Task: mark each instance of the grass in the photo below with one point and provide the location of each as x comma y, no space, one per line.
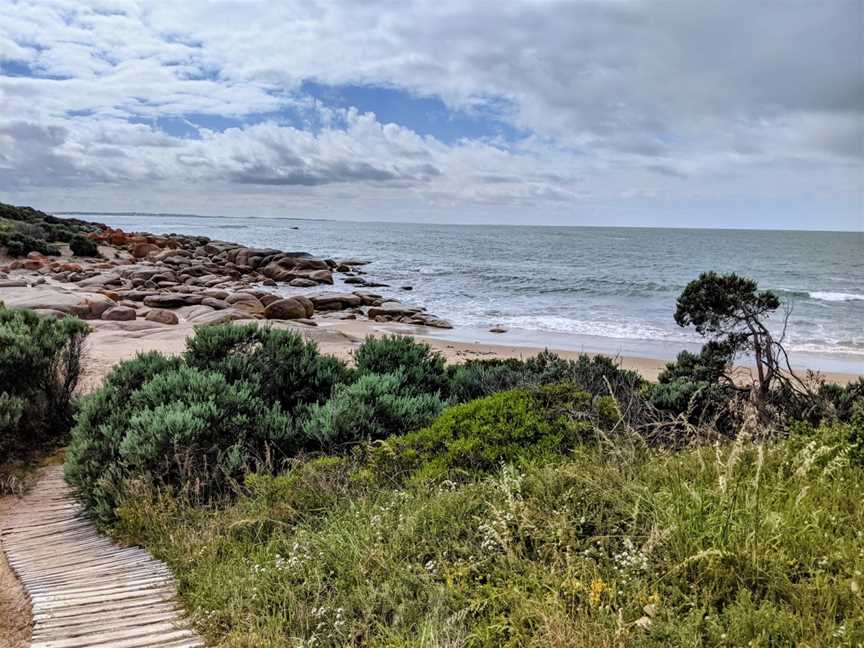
741,544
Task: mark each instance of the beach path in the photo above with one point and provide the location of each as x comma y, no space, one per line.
84,589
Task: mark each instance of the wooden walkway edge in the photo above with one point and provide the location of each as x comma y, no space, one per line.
85,590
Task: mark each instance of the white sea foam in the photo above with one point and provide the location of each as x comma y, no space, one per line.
836,296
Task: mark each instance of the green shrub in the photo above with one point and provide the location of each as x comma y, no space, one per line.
478,378
84,247
478,436
18,245
285,368
93,458
423,369
172,425
40,364
598,375
374,407
59,232
696,386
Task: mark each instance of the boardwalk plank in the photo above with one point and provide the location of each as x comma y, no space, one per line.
85,590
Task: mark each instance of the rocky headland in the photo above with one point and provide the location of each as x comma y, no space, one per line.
169,279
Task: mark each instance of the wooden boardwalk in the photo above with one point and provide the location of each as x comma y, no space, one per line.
85,590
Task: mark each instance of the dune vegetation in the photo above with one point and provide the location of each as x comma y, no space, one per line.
399,501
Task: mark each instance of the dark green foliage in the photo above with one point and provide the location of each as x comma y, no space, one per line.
720,304
374,407
93,457
598,375
479,378
83,247
709,365
846,401
40,363
730,311
18,245
24,230
202,419
159,420
423,370
59,232
696,385
285,368
478,436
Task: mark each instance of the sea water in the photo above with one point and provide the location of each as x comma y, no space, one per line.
606,289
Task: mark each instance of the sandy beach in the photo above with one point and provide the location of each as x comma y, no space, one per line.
113,342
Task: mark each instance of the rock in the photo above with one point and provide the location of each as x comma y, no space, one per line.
101,279
307,322
204,315
497,329
246,302
336,301
119,314
269,282
216,294
351,262
50,312
438,323
143,250
286,309
97,307
322,276
212,302
307,304
355,280
14,283
300,282
392,309
407,287
171,300
162,316
269,298
135,295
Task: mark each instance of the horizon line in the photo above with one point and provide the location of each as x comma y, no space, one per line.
384,222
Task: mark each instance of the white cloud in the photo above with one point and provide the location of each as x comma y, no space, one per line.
626,100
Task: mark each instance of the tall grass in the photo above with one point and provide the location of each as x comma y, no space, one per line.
735,544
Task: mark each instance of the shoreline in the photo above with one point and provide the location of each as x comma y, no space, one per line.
148,291
112,342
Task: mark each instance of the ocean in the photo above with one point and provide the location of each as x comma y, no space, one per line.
598,289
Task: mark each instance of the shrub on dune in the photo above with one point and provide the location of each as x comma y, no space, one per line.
172,425
423,370
285,368
40,364
374,407
478,436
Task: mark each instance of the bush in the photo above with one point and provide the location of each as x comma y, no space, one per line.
596,375
422,369
83,247
478,436
478,378
93,457
169,424
203,418
18,245
374,407
40,364
284,367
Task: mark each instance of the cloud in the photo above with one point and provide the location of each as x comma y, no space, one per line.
736,98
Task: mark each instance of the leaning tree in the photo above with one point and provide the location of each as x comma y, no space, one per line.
731,312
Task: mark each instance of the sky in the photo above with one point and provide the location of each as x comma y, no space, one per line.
612,112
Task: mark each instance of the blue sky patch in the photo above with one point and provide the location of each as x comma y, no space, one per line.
423,115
